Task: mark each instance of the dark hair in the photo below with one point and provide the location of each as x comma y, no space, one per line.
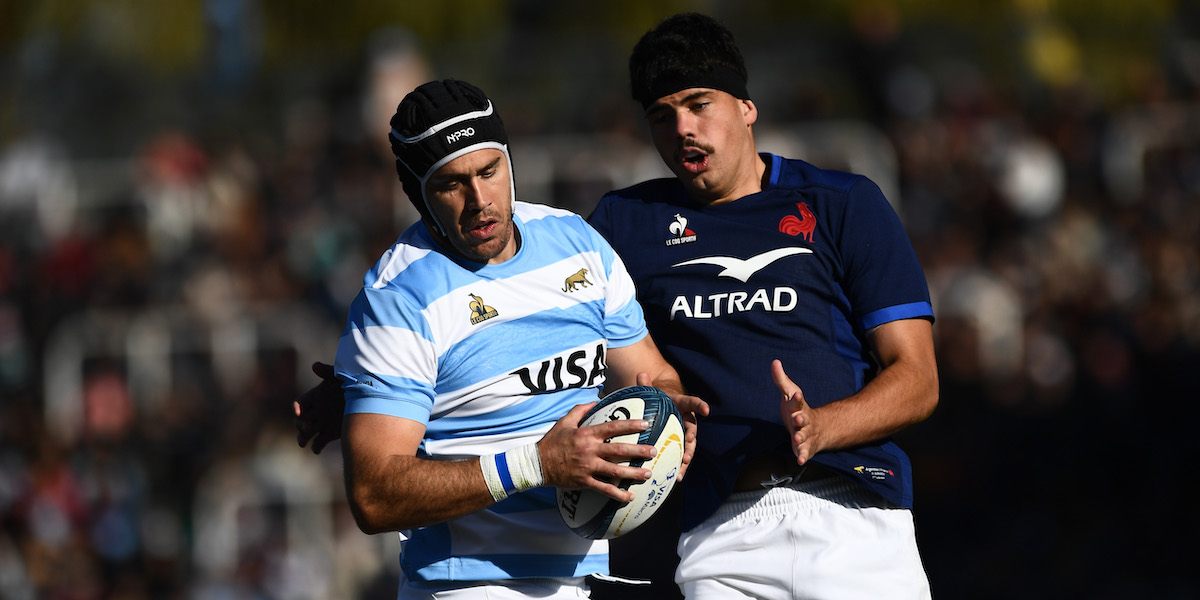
684,51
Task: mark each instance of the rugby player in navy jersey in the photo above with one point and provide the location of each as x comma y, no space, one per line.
790,298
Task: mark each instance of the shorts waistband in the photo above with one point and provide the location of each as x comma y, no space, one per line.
768,471
796,496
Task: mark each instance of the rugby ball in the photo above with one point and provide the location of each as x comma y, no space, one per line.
595,516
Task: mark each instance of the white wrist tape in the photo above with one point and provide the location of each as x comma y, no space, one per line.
513,471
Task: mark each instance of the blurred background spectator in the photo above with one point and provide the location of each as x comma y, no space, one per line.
191,191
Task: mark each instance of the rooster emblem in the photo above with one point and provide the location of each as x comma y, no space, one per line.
679,226
802,225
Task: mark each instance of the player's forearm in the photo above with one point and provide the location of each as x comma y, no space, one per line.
901,395
403,492
625,364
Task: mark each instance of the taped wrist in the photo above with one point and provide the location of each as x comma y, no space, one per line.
513,471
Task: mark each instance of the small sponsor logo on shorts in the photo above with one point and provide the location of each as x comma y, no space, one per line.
874,473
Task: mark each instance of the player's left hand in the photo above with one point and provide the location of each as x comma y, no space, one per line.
797,415
691,407
319,410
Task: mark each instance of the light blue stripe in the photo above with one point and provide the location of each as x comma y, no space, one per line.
395,407
428,545
512,566
625,326
388,308
395,396
530,414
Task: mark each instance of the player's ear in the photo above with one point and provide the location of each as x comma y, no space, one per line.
749,111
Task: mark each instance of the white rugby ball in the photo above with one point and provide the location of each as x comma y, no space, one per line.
596,516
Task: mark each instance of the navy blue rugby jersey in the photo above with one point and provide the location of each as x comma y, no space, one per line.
799,272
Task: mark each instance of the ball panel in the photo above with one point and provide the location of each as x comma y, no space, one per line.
650,494
582,510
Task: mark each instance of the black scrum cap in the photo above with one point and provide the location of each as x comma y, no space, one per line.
435,124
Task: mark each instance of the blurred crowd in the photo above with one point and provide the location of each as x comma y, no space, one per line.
159,311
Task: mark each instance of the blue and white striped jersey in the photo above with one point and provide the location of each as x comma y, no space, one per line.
488,357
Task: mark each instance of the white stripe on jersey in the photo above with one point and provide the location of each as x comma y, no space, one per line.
391,352
623,291
498,392
395,260
532,212
483,445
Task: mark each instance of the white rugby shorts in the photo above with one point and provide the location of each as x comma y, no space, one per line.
565,588
828,538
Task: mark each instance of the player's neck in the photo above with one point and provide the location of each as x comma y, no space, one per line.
748,177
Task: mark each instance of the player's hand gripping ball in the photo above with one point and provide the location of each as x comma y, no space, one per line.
596,516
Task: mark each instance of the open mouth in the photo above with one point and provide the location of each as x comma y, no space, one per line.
694,159
483,229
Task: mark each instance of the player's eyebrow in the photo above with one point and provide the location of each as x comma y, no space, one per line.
491,165
461,176
659,107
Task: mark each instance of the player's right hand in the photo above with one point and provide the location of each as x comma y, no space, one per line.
582,457
691,408
797,415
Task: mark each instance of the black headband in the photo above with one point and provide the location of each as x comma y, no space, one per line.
719,77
